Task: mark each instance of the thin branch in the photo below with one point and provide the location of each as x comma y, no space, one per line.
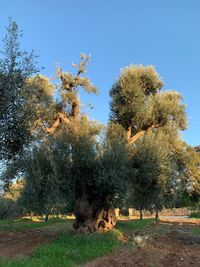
128,133
64,118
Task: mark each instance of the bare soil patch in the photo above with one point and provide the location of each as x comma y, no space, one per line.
16,244
178,220
176,248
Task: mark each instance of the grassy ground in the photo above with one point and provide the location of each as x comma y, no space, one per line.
132,226
28,224
195,214
196,231
70,249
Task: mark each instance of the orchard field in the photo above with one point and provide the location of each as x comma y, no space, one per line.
113,186
132,243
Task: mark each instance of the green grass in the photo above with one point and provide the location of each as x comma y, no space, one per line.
195,214
26,224
136,225
72,249
196,231
69,250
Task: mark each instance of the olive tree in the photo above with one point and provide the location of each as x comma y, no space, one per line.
16,66
58,146
151,119
75,167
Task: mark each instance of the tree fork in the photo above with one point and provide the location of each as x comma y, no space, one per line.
132,139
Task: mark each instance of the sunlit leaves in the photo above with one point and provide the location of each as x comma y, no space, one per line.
137,101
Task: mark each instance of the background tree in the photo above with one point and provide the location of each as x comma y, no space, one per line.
39,111
16,67
9,200
42,194
24,100
187,188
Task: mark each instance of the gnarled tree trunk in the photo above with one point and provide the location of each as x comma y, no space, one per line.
91,217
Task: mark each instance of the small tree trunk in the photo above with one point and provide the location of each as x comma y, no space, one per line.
91,217
141,215
157,216
46,217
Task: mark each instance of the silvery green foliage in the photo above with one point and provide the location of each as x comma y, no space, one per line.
187,173
114,164
67,166
139,106
45,190
151,165
15,67
138,102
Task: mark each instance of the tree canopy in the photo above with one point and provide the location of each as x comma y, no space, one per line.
16,66
138,104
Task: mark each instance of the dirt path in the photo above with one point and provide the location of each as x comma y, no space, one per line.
16,244
179,220
177,248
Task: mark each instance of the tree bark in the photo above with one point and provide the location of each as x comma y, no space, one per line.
135,137
128,133
92,217
157,215
61,118
46,217
75,108
141,215
132,139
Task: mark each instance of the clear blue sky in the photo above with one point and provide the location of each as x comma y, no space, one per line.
165,34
